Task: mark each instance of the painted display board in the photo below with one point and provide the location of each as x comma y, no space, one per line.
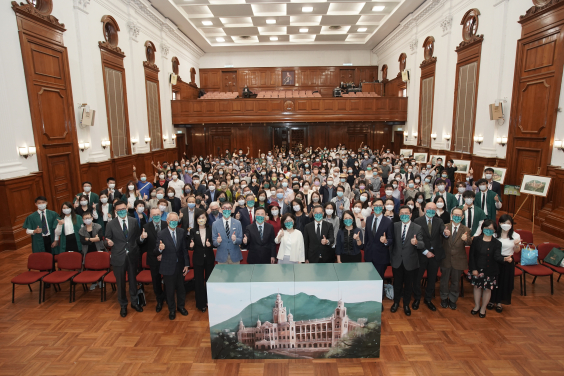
300,311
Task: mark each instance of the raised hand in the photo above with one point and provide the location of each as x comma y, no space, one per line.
280,234
324,241
496,198
110,242
38,230
144,234
414,240
181,215
447,232
134,169
383,239
516,241
94,206
356,236
464,236
233,236
218,238
161,246
61,221
192,243
245,239
120,190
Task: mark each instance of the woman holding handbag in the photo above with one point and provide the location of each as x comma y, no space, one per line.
203,258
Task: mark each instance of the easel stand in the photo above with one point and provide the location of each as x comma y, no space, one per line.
523,203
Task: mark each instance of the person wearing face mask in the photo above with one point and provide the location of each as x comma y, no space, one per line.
411,190
92,197
245,212
378,238
187,214
227,235
279,199
261,199
171,246
492,184
203,258
389,210
104,212
198,187
455,261
319,238
461,188
433,232
139,214
341,201
441,212
41,225
439,166
473,215
91,236
111,192
122,234
349,240
450,170
483,266
156,195
82,206
291,248
442,191
389,191
177,184
386,170
445,180
316,174
366,161
131,195
66,233
212,192
328,191
259,240
273,217
214,212
487,200
174,201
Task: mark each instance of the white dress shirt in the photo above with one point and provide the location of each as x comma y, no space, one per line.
41,214
69,227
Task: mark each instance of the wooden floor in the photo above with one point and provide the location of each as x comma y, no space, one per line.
90,338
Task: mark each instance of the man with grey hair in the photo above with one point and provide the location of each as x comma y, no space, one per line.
213,212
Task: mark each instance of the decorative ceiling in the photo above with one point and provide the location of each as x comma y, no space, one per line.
318,23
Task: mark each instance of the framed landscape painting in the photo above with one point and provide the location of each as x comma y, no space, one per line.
535,185
420,157
462,165
406,152
498,175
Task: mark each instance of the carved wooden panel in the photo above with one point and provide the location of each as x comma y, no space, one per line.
535,94
53,114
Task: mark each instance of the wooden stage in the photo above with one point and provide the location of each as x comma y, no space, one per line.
89,337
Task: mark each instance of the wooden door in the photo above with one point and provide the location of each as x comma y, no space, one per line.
398,142
220,144
297,136
229,81
180,145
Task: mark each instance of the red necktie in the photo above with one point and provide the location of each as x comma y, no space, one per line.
251,215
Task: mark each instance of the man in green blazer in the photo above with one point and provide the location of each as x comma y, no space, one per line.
93,198
41,226
473,215
440,190
487,200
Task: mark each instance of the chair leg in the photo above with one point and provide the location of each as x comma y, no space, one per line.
44,293
13,291
521,284
534,280
29,286
70,292
558,280
40,289
101,295
551,284
524,284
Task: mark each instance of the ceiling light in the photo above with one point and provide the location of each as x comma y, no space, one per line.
220,39
271,21
207,23
378,8
361,29
304,30
308,9
274,38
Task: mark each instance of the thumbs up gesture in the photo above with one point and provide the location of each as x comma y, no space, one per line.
61,222
496,198
110,242
208,244
161,246
37,230
383,239
218,238
192,243
324,241
181,215
414,240
356,236
144,234
233,237
447,232
464,236
245,239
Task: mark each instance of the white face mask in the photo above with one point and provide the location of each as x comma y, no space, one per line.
440,205
104,200
88,221
329,182
131,187
111,186
236,181
488,176
411,206
469,201
162,208
161,176
356,210
329,211
171,194
241,202
42,206
140,209
505,226
389,207
83,203
274,212
389,193
67,211
87,189
296,208
483,188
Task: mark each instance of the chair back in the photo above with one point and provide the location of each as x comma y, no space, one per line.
144,264
517,257
97,261
70,260
191,257
40,261
467,249
362,253
526,236
244,254
545,248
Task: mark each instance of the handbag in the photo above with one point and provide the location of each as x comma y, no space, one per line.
529,255
555,257
141,301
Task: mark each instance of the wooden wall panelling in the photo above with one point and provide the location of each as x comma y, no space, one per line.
152,78
49,89
392,87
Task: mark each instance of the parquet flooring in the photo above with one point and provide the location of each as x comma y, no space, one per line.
89,338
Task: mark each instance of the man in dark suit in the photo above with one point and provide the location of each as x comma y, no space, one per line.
319,238
111,191
259,240
147,243
122,234
279,198
187,214
408,241
328,191
211,193
492,184
378,238
246,214
171,244
433,231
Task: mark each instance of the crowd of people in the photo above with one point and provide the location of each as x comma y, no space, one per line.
303,206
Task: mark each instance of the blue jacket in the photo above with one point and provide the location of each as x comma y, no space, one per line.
374,250
227,247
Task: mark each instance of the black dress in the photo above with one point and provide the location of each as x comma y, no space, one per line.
484,257
445,217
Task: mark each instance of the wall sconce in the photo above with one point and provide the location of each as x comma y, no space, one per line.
447,137
434,136
165,137
105,143
502,141
406,134
26,151
478,139
83,145
173,138
559,145
134,141
414,134
147,139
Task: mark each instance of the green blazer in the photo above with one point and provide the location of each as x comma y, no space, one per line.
479,216
451,201
33,221
94,198
63,239
489,204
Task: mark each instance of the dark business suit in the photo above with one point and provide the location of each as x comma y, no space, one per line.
125,255
374,250
174,259
316,252
204,260
148,245
115,194
212,196
327,193
185,220
405,260
433,243
244,216
260,250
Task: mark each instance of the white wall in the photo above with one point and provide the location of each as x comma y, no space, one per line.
82,19
498,23
287,58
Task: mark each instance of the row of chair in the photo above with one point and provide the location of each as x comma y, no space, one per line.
220,95
360,95
288,94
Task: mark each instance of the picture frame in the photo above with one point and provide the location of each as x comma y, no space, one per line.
462,166
535,185
406,152
420,157
288,78
499,173
433,159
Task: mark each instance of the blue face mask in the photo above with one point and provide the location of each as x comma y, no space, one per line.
457,218
250,203
122,213
430,213
259,219
156,218
405,218
289,224
378,209
343,180
284,184
363,198
143,178
191,205
173,224
411,185
318,216
348,222
488,232
280,196
226,213
340,194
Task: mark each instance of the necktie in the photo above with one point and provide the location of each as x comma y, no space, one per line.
483,200
454,232
403,234
469,218
44,224
430,225
260,232
125,231
319,231
158,227
251,215
375,227
459,199
227,227
174,237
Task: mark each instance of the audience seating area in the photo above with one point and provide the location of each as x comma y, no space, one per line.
220,95
360,95
288,94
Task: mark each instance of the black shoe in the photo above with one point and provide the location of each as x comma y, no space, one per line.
490,306
498,309
430,305
474,313
172,315
394,307
123,311
204,309
482,315
415,305
159,306
452,304
137,308
183,311
406,310
444,303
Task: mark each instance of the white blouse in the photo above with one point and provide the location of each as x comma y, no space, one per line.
105,208
69,227
508,244
291,244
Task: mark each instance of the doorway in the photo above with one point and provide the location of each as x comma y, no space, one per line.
229,81
398,142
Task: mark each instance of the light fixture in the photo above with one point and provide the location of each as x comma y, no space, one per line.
304,30
307,9
502,141
105,143
347,64
378,8
558,145
207,23
165,137
134,140
273,38
414,134
406,134
32,150
173,138
26,151
147,139
478,139
220,39
446,137
434,136
361,29
270,22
